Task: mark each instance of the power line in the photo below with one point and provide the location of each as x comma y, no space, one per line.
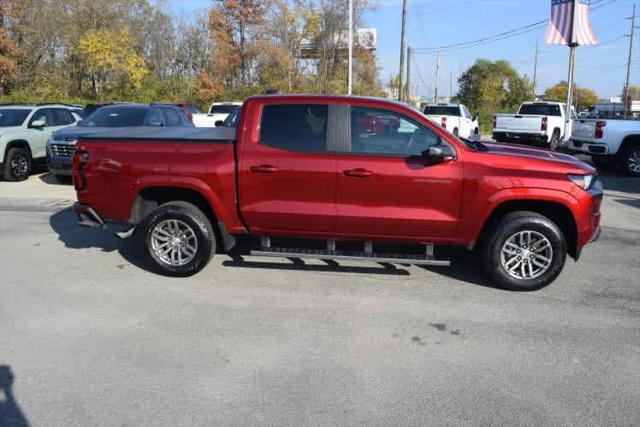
504,35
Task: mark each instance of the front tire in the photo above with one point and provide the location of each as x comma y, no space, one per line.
17,165
179,239
524,251
455,132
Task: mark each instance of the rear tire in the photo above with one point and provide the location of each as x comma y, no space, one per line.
631,160
455,132
513,261
17,164
179,239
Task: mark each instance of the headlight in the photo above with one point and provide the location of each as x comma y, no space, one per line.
583,181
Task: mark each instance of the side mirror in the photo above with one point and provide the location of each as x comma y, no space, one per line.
80,122
439,153
38,124
219,123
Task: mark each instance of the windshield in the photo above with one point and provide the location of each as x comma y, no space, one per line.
192,109
441,110
540,109
223,109
116,117
12,117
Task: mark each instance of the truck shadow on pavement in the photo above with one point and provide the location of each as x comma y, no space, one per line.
615,181
10,413
77,237
132,250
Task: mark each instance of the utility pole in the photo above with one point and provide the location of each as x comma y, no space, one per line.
437,73
450,84
350,78
572,64
408,92
626,84
535,70
401,72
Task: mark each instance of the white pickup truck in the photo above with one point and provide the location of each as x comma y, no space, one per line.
455,118
541,123
218,112
610,142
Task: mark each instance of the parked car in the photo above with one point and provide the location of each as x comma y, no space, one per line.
540,123
60,146
293,181
218,111
24,131
610,142
188,110
455,118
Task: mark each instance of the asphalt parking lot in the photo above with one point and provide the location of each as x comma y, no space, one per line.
89,336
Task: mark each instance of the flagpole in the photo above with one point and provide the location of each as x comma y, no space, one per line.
573,43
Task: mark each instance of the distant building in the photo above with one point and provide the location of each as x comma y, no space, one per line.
613,107
363,38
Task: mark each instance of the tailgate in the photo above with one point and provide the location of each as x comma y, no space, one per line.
519,123
583,130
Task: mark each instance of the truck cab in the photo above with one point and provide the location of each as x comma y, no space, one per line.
308,176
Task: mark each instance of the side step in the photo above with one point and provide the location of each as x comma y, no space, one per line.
332,254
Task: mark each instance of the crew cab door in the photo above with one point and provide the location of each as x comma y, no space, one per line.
287,177
386,188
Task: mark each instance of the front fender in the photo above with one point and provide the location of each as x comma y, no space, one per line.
509,195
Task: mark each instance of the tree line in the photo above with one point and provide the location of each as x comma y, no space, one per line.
89,51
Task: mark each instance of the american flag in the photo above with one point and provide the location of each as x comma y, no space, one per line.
560,28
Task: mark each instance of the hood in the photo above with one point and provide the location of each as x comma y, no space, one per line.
73,133
538,154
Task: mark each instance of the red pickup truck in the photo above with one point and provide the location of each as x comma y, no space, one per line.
300,177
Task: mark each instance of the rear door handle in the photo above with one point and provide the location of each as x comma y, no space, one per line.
358,173
263,169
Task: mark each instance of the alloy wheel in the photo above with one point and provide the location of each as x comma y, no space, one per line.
19,165
174,242
526,255
633,161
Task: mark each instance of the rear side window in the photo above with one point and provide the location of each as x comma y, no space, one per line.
295,127
61,117
223,109
171,117
441,110
540,109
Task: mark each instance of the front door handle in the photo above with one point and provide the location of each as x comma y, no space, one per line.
358,173
263,169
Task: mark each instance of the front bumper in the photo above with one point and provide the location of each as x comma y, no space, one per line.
87,216
60,157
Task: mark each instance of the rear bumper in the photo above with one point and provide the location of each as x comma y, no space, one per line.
588,147
87,216
538,138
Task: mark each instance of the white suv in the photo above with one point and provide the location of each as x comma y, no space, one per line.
24,131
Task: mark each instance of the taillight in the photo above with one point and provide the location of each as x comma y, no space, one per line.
80,159
443,122
495,121
599,125
543,124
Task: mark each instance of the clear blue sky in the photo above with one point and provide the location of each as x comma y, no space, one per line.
433,23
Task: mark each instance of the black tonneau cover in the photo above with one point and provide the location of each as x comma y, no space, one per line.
168,134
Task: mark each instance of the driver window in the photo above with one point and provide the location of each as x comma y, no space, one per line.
41,115
383,132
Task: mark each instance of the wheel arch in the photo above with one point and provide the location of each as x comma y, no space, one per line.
150,197
629,141
20,143
556,211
